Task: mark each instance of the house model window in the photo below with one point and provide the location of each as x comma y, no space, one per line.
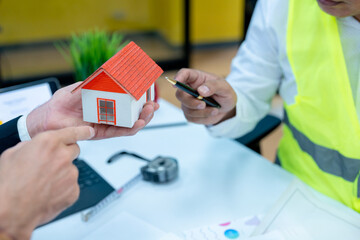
117,91
106,111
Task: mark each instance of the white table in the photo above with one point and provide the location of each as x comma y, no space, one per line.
219,180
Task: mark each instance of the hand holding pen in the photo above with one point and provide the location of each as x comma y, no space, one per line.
210,92
208,100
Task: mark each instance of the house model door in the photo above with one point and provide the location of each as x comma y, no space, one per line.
106,111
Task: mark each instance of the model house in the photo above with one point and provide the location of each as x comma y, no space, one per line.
116,92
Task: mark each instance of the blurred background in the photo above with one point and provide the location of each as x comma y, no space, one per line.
201,34
166,29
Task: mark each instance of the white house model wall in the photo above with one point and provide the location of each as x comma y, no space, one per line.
127,109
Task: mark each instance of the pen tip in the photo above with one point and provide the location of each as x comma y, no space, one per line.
173,82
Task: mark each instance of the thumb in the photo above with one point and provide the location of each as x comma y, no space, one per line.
211,87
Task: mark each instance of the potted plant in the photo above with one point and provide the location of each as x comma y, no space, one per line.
89,50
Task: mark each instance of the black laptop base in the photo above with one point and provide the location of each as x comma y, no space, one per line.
93,188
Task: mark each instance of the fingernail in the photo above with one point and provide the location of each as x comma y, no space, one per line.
201,106
148,117
203,89
214,112
92,132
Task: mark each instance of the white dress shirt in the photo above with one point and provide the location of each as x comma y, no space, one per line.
261,67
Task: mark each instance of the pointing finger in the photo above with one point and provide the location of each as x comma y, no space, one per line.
71,135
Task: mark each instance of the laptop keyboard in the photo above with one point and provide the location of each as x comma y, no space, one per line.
93,188
87,176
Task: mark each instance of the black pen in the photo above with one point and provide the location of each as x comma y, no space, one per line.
208,100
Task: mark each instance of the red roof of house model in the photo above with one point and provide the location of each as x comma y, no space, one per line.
131,69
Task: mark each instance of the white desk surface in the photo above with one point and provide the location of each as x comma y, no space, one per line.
219,180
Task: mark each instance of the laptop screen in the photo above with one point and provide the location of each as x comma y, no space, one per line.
20,100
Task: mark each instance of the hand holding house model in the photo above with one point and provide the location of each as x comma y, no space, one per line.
116,92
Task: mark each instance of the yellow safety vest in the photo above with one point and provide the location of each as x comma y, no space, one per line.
321,142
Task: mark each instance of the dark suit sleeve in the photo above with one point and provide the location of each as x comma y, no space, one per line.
9,135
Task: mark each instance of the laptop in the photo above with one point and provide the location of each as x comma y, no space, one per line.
21,99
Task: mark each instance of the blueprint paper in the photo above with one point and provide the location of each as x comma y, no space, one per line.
307,214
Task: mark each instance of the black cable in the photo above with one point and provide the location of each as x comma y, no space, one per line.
116,156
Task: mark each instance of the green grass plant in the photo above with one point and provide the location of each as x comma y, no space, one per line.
89,50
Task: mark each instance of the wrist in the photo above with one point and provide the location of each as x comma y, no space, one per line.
232,106
5,236
35,121
10,228
228,115
10,234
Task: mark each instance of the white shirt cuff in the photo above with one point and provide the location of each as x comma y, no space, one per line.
224,128
22,129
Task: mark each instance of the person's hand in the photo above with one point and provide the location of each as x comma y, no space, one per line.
64,109
38,179
208,85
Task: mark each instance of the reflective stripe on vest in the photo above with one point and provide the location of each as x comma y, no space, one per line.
321,142
328,160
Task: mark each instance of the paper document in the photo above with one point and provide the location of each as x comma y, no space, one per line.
126,227
168,115
170,236
303,213
296,233
238,229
